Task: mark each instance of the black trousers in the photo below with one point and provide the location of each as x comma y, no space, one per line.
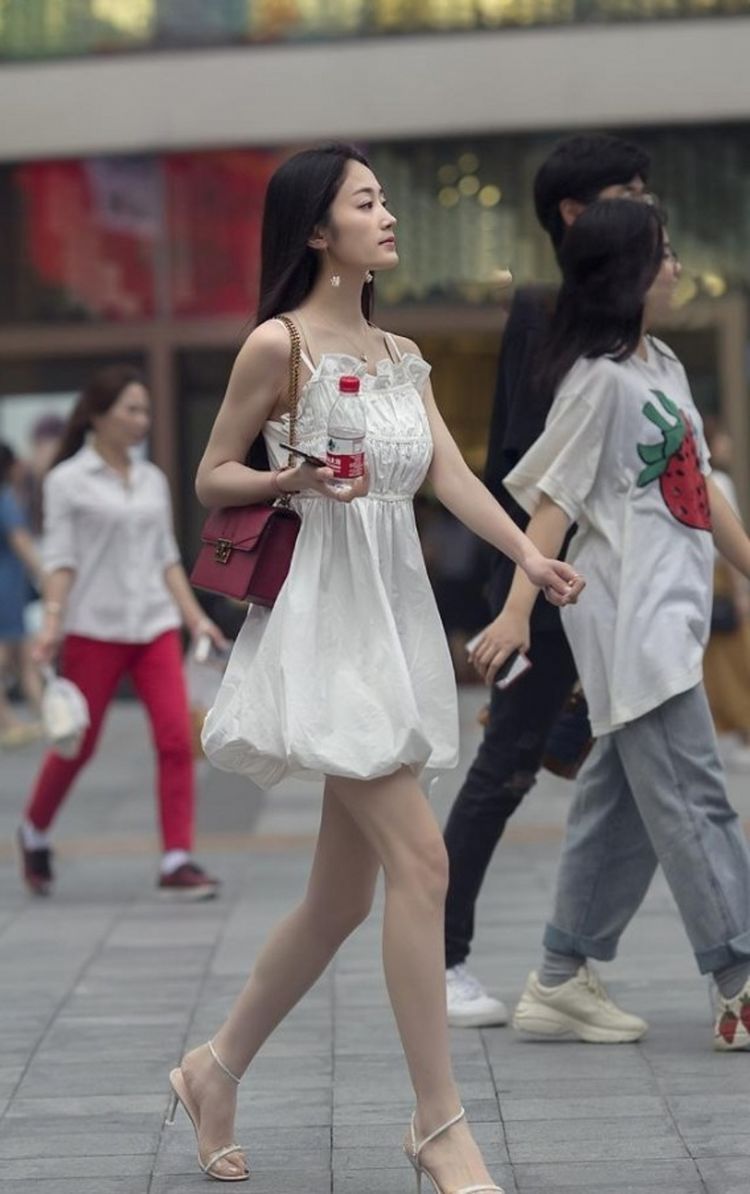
503,771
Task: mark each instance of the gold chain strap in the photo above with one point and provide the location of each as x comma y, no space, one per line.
294,362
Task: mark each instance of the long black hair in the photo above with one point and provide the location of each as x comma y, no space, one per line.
298,201
609,260
99,395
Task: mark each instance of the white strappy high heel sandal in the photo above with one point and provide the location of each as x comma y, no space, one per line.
179,1094
421,1171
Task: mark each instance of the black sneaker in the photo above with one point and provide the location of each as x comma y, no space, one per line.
189,882
36,868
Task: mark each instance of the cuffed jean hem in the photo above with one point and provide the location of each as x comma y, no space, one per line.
722,956
604,950
575,945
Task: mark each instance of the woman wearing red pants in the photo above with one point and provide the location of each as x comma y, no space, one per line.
116,594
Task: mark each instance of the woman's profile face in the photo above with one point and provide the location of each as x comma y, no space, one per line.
360,232
660,297
128,420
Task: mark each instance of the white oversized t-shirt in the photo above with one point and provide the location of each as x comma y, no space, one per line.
623,454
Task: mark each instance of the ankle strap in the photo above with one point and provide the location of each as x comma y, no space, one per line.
417,1148
221,1065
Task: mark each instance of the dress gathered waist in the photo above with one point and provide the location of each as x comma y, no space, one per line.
372,497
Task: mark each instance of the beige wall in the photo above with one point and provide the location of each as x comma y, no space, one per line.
662,72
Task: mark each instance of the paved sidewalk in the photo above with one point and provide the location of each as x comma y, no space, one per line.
102,987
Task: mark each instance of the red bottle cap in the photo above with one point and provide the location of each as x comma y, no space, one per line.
349,385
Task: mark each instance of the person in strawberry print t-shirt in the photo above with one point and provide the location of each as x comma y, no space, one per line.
623,456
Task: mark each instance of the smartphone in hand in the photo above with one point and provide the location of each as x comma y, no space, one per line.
315,461
515,666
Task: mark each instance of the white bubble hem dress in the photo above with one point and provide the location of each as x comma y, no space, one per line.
349,674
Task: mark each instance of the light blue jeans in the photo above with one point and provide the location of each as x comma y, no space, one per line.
653,792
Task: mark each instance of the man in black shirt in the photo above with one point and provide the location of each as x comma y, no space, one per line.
578,171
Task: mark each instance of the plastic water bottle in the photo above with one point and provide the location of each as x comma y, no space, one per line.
347,427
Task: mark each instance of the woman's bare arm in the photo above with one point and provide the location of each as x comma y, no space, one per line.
254,390
465,496
257,390
56,588
510,631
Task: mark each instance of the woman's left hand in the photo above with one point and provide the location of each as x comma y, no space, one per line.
560,583
206,626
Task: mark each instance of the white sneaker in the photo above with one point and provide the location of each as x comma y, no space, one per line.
732,1023
580,1007
469,1005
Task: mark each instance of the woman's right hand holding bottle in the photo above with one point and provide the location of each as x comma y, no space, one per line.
308,476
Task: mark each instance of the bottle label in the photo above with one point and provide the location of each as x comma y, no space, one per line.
346,456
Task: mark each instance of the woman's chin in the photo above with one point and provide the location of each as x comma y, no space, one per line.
390,262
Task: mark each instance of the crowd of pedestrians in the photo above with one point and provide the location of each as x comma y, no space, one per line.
607,527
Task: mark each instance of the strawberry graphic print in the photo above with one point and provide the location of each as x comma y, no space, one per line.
674,462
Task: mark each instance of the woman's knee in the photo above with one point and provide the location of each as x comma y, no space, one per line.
335,921
422,866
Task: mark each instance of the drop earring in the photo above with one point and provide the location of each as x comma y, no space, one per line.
335,280
369,276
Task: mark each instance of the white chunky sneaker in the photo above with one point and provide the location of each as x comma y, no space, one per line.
732,1023
469,1005
580,1007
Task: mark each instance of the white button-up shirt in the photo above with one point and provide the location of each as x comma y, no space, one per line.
117,537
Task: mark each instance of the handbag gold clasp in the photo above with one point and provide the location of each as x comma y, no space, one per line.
222,551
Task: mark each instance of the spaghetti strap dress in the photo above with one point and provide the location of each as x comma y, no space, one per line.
349,673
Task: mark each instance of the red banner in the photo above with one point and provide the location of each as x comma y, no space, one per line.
89,230
214,212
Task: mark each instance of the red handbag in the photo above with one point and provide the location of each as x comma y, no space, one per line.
246,551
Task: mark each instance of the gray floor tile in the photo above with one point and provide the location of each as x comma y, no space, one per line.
728,1175
605,1107
61,1168
597,1175
103,987
76,1185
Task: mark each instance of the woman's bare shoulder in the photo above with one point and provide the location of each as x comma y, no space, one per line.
269,342
405,345
264,354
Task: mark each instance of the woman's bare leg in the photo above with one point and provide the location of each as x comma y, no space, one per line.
365,825
338,898
395,817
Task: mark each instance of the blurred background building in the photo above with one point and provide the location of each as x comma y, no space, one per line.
137,137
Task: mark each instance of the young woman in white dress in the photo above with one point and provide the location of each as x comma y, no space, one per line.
348,676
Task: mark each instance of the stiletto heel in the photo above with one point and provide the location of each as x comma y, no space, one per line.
180,1095
412,1155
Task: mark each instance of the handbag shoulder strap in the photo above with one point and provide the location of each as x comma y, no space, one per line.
294,360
